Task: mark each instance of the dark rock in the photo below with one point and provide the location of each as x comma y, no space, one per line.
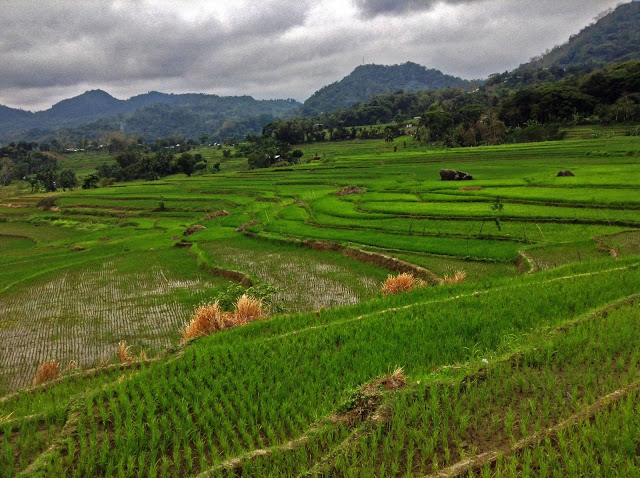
453,175
565,173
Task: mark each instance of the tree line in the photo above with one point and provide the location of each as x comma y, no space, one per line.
495,113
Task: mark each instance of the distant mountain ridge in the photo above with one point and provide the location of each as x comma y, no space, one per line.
367,81
191,114
614,38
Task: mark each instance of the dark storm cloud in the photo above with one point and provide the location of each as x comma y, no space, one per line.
373,8
54,49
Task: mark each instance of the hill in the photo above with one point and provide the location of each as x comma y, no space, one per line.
367,81
614,38
151,115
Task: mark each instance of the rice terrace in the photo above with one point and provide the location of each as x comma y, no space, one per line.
433,281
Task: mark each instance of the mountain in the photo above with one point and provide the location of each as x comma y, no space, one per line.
85,107
614,38
9,115
151,115
367,81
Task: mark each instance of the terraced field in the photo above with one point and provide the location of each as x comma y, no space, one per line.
502,375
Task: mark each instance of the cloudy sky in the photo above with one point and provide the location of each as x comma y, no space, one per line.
55,49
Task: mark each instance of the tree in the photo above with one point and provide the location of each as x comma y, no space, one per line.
203,138
6,171
127,158
49,180
90,182
438,121
186,163
118,142
68,179
296,154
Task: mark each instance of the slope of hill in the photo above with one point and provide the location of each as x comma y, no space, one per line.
367,81
614,38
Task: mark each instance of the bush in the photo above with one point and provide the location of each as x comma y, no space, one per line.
106,182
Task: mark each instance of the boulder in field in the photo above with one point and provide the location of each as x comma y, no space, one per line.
565,173
453,175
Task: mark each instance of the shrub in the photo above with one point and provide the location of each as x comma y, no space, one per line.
106,182
46,372
401,283
457,278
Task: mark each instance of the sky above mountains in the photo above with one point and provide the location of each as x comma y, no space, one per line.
51,50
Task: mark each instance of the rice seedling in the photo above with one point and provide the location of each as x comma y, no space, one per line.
400,283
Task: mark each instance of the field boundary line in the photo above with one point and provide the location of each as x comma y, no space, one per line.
487,458
236,462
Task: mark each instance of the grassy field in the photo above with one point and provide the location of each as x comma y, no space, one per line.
528,367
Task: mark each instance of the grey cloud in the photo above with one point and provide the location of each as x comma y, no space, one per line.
374,8
69,44
51,49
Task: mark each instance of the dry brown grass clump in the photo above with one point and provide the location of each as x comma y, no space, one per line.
46,372
248,309
400,283
124,355
211,318
457,278
207,319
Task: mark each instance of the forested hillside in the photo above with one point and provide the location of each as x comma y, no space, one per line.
367,81
614,38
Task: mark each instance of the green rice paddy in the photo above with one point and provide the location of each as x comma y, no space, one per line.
527,368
